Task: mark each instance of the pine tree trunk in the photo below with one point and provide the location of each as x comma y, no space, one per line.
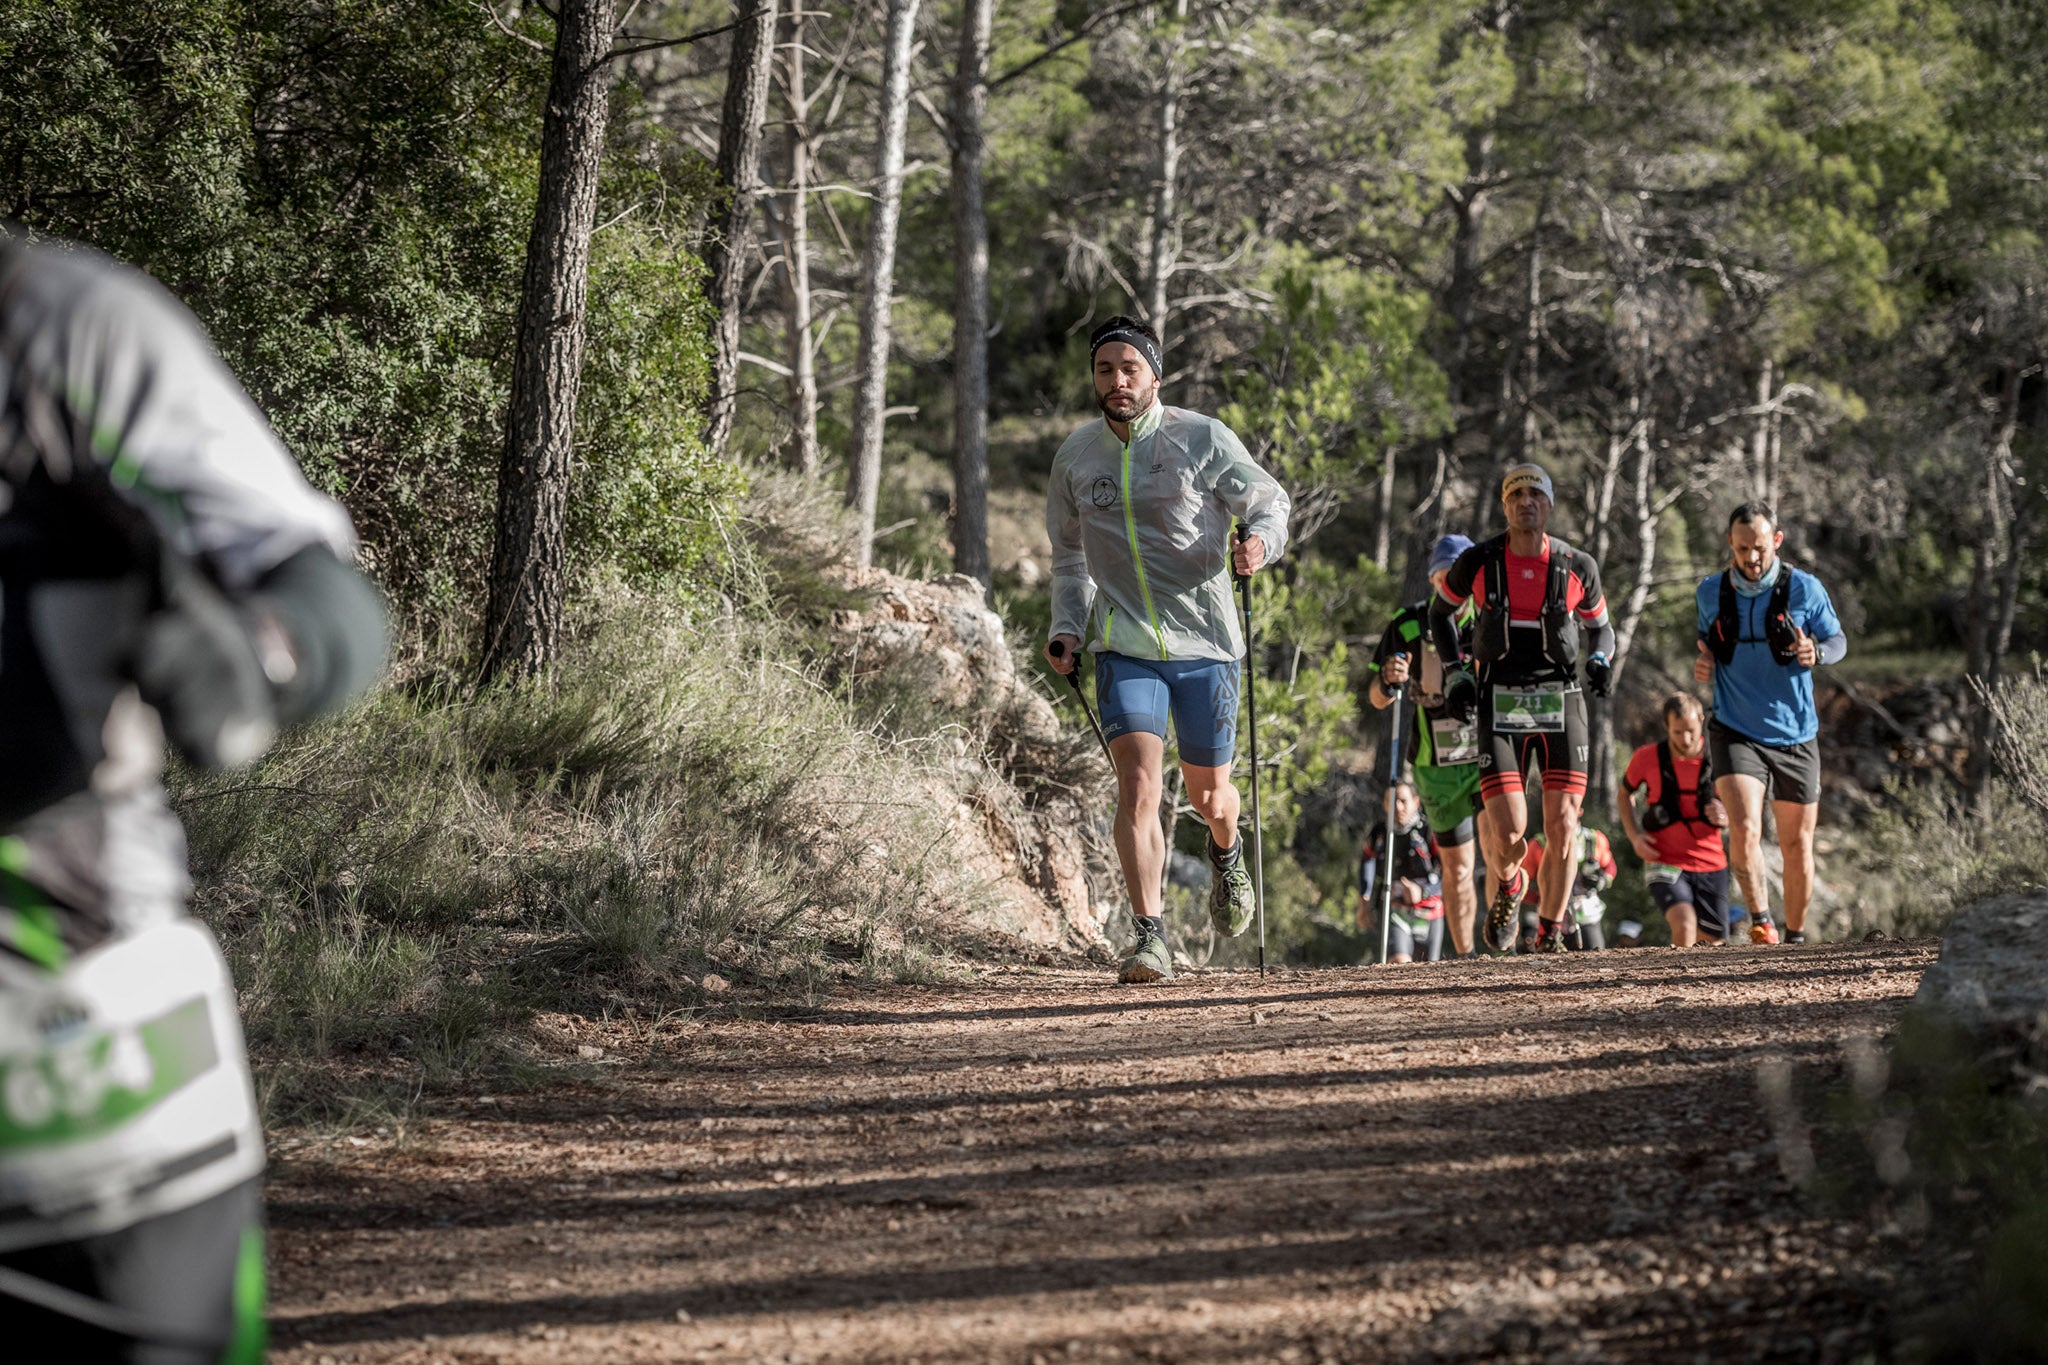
732,226
864,468
970,296
796,291
1165,186
529,555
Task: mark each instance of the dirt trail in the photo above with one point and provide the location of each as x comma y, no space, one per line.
1541,1159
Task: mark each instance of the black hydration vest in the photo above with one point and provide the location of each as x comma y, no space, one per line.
1560,630
1664,812
1726,631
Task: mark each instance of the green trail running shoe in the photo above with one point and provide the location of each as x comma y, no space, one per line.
1503,917
1149,961
1231,904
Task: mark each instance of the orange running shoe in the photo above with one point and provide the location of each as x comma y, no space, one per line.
1763,930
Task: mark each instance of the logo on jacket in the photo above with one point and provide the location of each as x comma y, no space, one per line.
1103,493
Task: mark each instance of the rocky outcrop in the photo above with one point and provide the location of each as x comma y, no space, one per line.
1991,980
1022,807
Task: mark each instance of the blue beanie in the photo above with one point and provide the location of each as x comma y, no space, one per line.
1446,551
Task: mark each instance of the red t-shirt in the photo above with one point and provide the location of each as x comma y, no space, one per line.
1691,845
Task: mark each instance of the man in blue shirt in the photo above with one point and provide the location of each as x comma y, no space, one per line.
1764,626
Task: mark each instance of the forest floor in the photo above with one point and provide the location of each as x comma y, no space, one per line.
1539,1159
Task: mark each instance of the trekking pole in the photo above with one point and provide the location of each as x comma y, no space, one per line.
1251,702
1058,650
1400,696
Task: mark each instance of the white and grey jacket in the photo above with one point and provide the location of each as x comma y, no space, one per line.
125,444
1141,534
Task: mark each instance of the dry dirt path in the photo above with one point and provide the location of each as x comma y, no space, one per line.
1539,1159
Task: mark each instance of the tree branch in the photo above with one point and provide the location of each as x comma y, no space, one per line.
1087,30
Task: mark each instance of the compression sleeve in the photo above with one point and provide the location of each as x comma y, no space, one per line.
1443,629
1603,635
1073,590
1834,649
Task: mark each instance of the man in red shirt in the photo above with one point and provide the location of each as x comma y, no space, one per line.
1679,836
1537,600
1586,913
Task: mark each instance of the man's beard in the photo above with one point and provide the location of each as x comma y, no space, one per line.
1103,402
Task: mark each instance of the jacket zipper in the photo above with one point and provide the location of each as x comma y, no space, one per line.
1138,560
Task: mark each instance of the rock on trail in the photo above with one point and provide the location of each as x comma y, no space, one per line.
1529,1160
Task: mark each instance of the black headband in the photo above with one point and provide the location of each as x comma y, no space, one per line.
1147,347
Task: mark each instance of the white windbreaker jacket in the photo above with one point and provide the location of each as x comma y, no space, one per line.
1141,534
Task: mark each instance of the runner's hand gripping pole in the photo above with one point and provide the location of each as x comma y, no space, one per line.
1057,649
1399,692
1251,702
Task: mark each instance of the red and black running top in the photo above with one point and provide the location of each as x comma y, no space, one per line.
1528,578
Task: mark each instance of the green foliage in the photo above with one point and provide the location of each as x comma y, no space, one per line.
418,880
342,192
1338,377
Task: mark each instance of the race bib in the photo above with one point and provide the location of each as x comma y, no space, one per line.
1589,908
1457,742
1660,874
1535,710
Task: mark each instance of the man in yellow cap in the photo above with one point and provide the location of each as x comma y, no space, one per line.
1535,596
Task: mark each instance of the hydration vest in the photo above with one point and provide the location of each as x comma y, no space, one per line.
1726,631
1560,631
1665,811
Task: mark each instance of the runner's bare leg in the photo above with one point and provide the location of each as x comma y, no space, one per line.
1561,851
1796,826
1742,796
1140,842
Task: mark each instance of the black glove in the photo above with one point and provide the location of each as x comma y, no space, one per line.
197,663
1461,695
1599,675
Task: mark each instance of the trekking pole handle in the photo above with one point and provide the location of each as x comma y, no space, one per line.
1237,538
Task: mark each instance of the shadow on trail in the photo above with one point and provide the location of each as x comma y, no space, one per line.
1058,1158
1662,1038
1442,981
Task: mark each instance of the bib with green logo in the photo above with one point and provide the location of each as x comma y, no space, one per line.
1534,710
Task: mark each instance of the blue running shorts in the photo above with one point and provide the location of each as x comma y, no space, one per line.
1201,695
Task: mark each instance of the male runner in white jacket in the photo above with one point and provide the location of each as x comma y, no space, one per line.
1139,509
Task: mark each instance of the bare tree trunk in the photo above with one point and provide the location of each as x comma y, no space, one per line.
1989,630
1601,794
1165,185
1468,207
864,468
1532,334
970,296
1383,543
796,277
1760,439
732,227
529,552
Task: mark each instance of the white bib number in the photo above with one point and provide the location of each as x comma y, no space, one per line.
1457,742
1535,710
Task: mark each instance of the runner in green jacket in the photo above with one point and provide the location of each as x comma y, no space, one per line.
1446,749
1139,509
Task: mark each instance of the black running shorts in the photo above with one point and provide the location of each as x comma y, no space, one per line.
1705,892
1560,755
1789,772
192,1280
